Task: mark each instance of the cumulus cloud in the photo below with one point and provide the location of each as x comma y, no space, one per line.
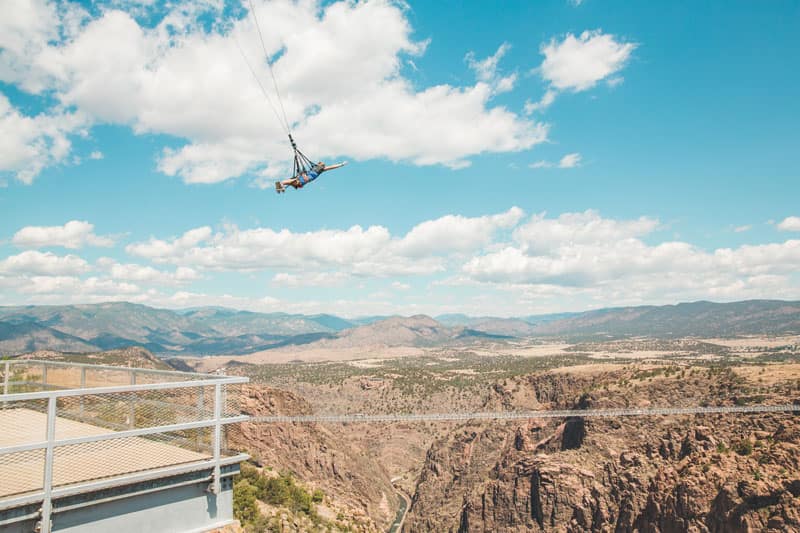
578,63
46,263
608,257
357,251
339,66
568,161
28,144
75,289
456,233
96,155
146,274
157,249
789,224
73,234
509,262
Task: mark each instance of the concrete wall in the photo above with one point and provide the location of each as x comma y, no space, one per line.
187,508
167,505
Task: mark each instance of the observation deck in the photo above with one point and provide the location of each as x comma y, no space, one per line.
96,448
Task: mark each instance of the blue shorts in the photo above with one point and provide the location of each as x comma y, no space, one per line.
307,177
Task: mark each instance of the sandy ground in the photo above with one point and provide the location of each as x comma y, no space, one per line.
536,350
638,354
314,355
755,342
592,369
770,374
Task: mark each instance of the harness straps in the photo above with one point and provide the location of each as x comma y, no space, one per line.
301,162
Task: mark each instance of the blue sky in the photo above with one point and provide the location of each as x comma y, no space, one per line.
538,157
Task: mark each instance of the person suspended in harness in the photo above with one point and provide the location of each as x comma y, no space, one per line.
305,176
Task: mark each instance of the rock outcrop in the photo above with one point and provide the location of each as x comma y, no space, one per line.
713,473
315,456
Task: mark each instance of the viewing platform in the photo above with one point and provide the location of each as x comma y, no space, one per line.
94,448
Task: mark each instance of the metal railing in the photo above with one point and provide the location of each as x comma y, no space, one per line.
68,428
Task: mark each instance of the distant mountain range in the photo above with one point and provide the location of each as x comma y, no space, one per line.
695,319
213,330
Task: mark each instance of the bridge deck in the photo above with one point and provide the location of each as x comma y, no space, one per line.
24,471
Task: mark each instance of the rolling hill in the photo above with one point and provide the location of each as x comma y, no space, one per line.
418,330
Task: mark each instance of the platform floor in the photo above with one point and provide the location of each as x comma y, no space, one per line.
24,472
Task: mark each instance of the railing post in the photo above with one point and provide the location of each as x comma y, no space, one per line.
132,415
83,386
215,484
5,376
47,502
201,402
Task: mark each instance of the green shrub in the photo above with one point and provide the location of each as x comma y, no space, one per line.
244,501
744,447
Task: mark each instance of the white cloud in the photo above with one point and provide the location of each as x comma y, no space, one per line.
486,70
586,253
25,29
184,299
742,229
45,263
546,101
339,67
504,263
456,233
29,144
146,274
96,155
789,224
158,249
310,279
356,251
578,63
568,161
543,234
73,234
359,251
75,290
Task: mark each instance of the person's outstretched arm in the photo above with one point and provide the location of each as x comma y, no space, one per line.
333,167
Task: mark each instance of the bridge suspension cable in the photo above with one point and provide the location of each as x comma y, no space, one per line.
522,415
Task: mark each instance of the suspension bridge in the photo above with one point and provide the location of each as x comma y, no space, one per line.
522,415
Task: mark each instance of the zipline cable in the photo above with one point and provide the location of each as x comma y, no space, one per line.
269,66
258,81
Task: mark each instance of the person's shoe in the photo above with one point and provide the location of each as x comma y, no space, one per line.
278,187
